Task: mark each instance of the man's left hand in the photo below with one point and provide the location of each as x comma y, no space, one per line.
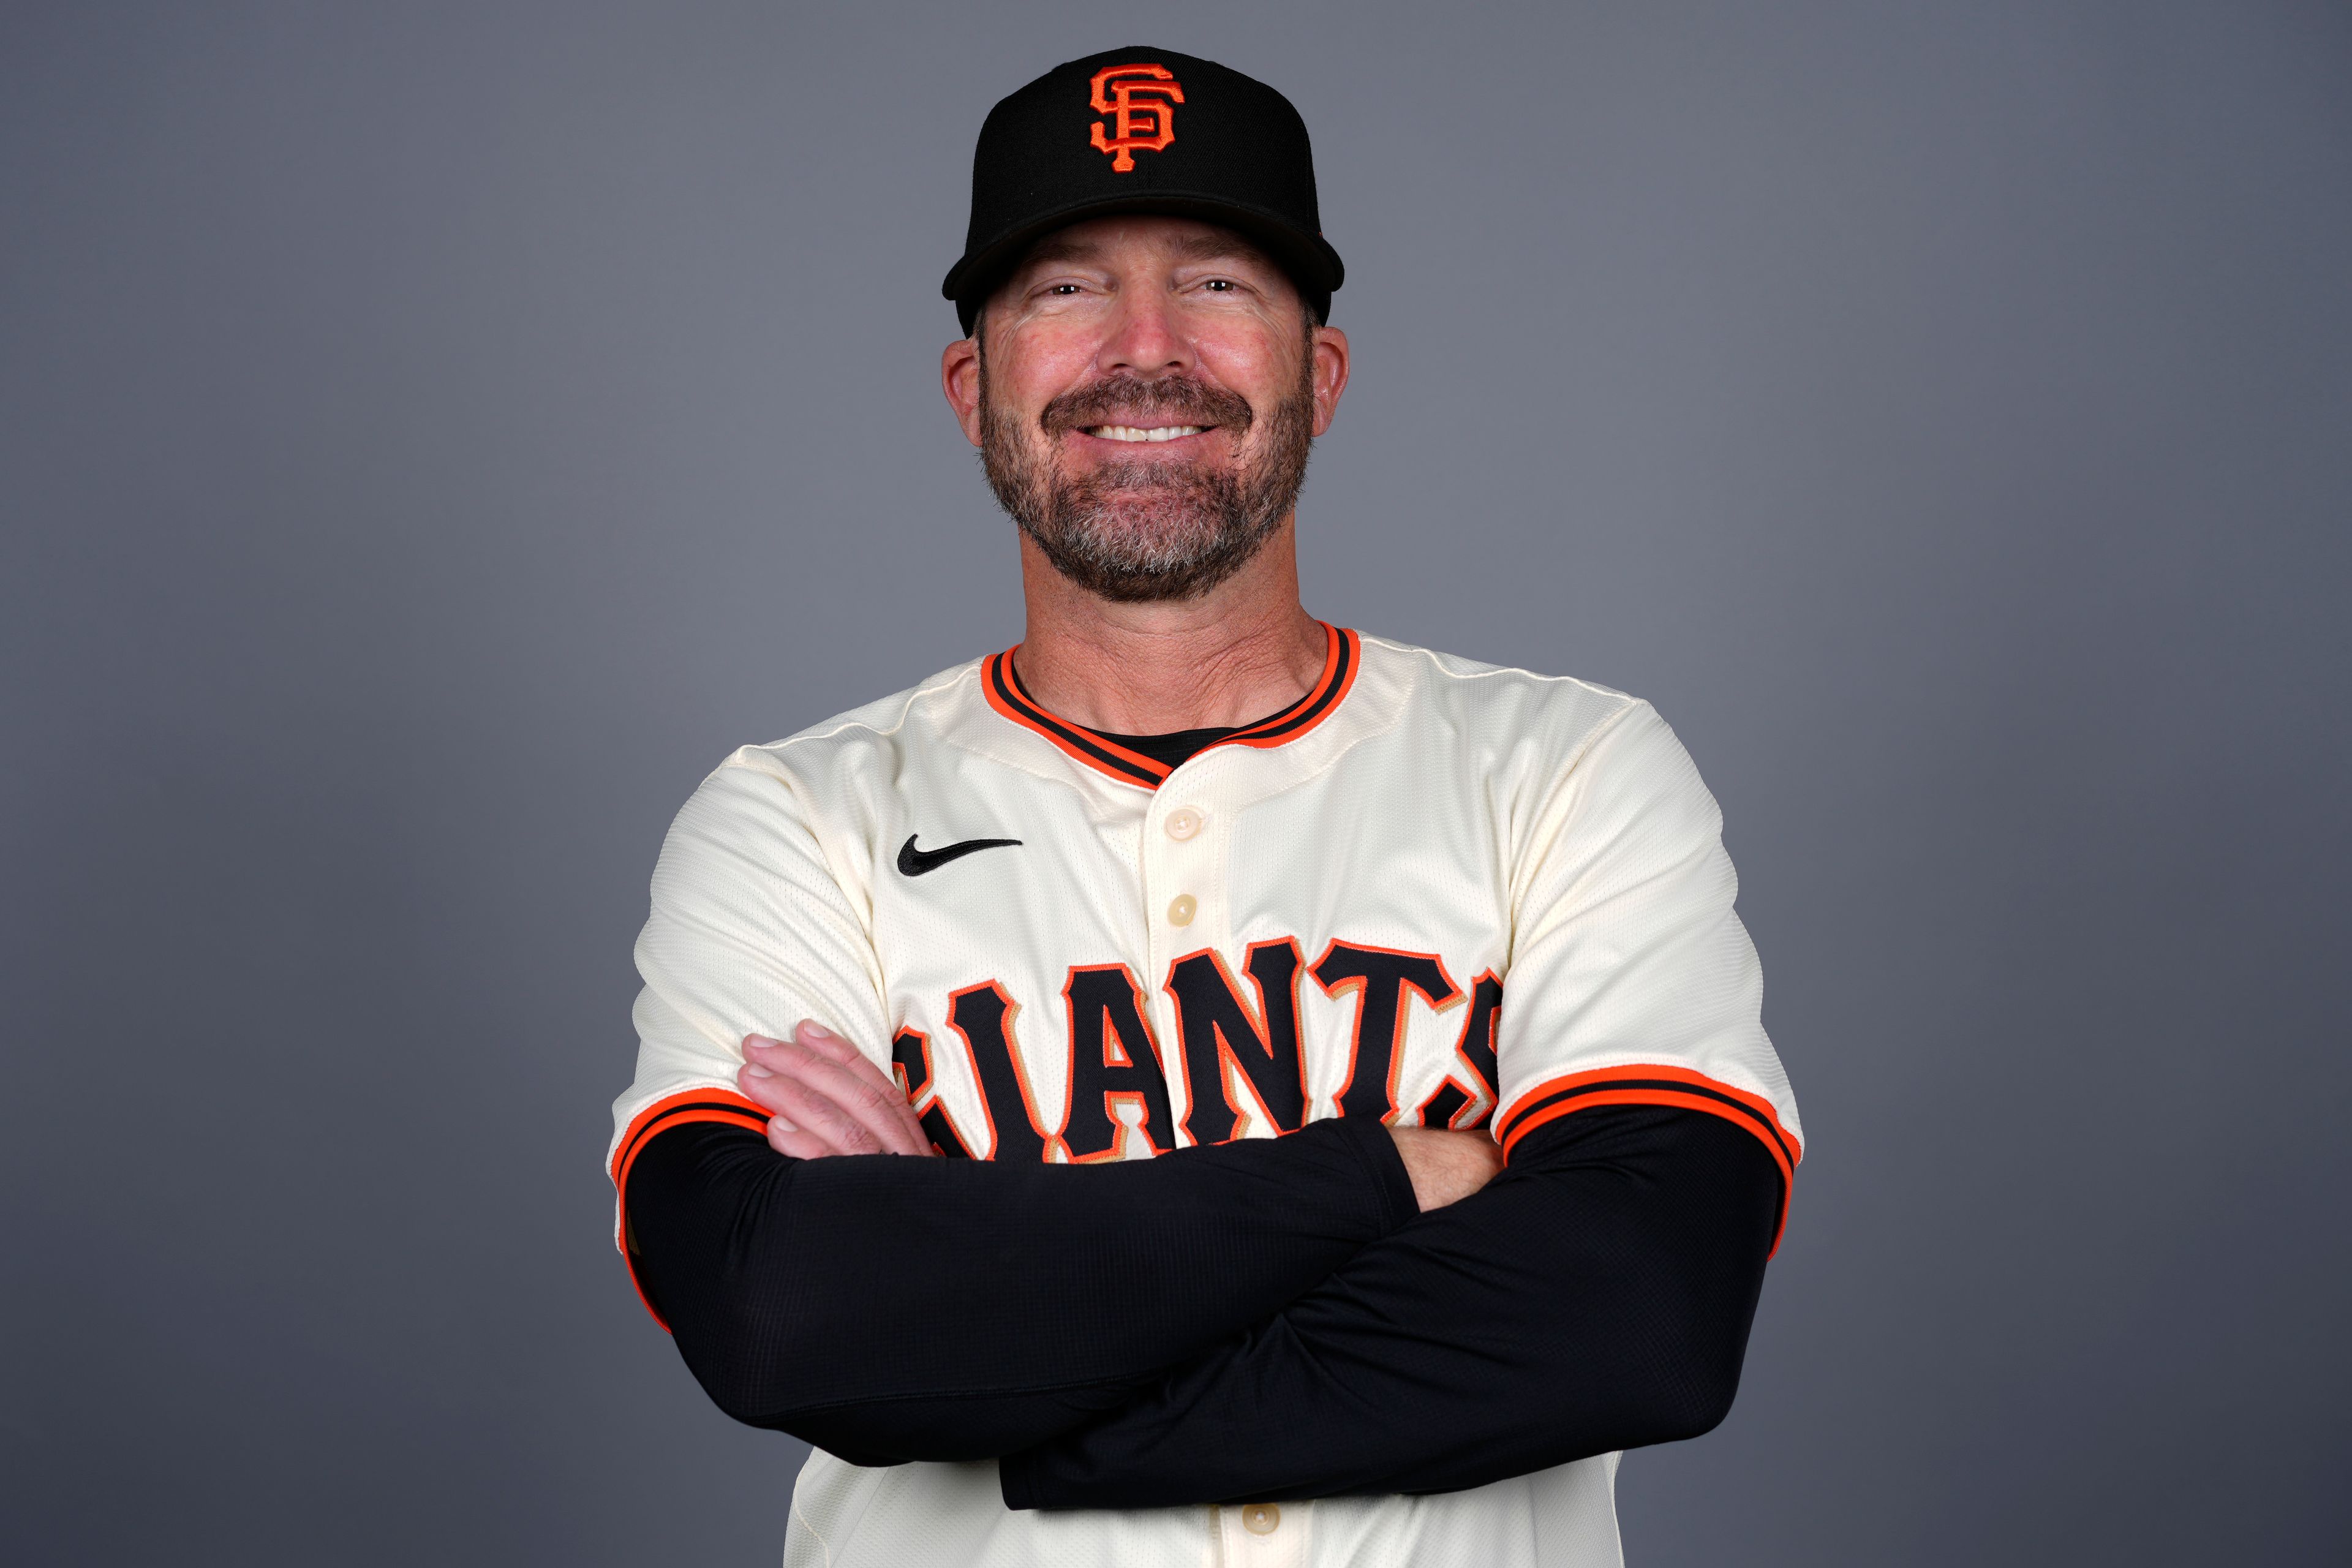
825,1099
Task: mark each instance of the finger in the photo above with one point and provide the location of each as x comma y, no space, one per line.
903,1130
816,1116
808,1113
786,1139
816,1039
813,1124
825,1043
758,1085
881,1113
770,1062
861,1093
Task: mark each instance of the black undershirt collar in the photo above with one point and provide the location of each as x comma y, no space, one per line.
1178,747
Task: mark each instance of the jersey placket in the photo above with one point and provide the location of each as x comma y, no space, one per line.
1184,910
1261,1534
1185,902
1185,834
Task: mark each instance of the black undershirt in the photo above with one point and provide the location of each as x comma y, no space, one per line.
1176,747
1264,1318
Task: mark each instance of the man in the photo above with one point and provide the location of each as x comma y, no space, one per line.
1078,1094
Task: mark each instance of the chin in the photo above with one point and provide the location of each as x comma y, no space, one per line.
1149,532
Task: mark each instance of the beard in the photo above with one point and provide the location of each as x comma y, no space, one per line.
1149,528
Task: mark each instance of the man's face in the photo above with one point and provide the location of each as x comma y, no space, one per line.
1144,402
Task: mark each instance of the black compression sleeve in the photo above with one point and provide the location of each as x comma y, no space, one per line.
893,1308
1595,1296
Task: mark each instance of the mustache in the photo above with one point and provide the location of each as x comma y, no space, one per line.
1177,399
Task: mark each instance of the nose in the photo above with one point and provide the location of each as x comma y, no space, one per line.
1144,340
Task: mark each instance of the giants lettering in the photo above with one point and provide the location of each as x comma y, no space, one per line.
1113,1061
1466,1098
910,1060
982,1015
1219,1034
1378,976
1244,1067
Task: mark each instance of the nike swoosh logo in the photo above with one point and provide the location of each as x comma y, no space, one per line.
914,862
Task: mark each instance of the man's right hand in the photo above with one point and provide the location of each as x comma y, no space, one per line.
1447,1167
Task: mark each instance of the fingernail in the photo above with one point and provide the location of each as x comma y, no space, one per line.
819,1030
757,1042
758,1072
777,1123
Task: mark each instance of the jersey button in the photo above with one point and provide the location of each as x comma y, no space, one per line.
1182,823
1262,1518
1181,912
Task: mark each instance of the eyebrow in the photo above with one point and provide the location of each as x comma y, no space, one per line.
1053,248
1219,248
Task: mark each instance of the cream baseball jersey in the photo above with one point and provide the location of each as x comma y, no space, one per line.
1432,891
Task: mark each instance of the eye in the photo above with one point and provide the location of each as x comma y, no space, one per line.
1221,285
1062,289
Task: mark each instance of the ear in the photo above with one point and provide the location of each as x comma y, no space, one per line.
960,379
1330,371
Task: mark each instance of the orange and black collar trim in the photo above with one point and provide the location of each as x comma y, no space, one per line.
1001,683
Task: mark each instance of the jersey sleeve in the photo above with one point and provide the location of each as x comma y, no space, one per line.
750,932
1632,982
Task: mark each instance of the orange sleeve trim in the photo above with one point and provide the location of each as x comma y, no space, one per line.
1652,1085
1648,1072
720,1105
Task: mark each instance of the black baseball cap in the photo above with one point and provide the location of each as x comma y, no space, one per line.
1142,130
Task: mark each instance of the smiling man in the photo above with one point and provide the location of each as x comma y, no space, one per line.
1079,1095
1059,426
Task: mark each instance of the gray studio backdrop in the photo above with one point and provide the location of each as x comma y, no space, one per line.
431,436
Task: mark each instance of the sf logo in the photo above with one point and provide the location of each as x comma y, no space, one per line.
1140,104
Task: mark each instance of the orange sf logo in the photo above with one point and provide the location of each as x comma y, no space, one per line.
1140,107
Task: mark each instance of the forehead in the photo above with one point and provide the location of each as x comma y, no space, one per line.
1141,238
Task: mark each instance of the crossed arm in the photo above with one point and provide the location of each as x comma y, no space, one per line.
1347,1308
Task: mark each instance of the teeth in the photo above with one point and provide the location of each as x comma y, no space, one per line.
1157,433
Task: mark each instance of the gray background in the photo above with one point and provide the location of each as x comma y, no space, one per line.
431,436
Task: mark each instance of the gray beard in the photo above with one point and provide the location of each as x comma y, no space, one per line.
1146,527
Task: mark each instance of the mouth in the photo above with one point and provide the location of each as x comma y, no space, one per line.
1139,433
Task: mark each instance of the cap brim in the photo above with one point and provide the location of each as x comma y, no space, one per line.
1311,263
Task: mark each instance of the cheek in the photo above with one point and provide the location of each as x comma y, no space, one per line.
1038,361
1264,362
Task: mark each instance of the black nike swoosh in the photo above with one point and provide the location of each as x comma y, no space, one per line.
914,862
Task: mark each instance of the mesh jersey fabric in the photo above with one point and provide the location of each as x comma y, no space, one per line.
1438,892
